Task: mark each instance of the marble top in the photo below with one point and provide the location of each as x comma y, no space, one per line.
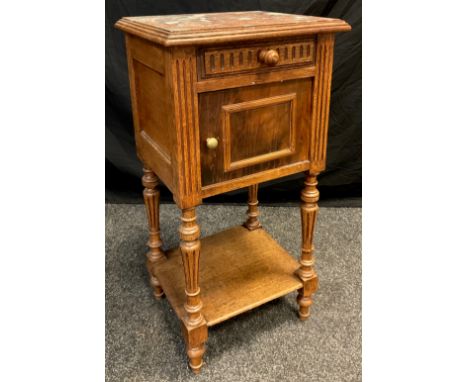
227,26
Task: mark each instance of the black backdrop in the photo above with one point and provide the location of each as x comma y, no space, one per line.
342,177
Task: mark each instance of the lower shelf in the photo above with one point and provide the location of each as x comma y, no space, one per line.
239,270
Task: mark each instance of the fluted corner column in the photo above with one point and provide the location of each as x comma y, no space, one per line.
155,254
306,272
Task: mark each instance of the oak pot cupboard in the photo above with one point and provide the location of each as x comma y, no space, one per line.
223,101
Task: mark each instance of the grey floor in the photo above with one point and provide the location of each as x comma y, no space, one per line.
143,340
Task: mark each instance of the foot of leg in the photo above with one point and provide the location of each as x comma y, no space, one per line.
304,306
158,291
195,338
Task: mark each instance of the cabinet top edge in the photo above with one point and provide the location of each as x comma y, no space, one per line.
214,28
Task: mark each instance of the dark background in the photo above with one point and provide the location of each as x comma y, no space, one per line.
340,182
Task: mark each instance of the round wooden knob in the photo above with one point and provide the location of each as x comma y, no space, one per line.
269,57
211,143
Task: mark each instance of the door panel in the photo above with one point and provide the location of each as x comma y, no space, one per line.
258,128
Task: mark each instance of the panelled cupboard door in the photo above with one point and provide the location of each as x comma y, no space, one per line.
251,129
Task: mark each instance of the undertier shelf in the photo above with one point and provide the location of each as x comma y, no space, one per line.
239,270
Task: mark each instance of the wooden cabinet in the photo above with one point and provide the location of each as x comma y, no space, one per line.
220,102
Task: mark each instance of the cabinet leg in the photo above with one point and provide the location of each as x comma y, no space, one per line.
306,272
252,222
155,254
194,325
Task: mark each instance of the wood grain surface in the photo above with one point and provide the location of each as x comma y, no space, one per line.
272,120
239,270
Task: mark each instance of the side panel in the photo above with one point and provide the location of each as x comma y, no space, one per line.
154,133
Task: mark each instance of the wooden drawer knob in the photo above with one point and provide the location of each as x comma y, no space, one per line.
211,143
269,57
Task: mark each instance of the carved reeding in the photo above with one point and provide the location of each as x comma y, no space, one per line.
321,100
190,250
191,255
186,110
232,60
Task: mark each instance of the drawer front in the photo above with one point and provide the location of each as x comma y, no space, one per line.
223,61
254,129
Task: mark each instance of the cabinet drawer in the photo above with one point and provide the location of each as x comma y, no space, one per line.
254,128
259,57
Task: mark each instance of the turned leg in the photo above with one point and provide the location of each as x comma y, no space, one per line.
194,325
155,253
306,272
252,212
